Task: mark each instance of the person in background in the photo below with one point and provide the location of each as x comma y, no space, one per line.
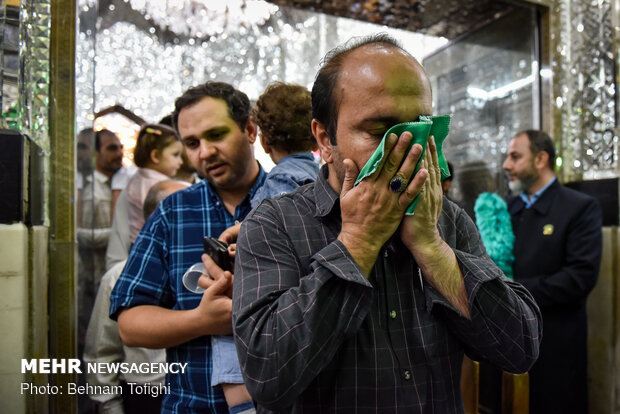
284,116
85,157
119,182
94,228
157,155
342,303
85,153
104,345
152,306
557,249
186,171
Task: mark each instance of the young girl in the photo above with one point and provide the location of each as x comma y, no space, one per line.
158,157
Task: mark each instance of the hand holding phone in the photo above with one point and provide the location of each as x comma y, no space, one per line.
218,250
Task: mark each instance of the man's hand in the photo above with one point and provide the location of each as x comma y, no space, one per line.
371,211
419,233
156,327
230,234
216,303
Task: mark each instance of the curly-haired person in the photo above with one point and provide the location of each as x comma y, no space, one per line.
284,115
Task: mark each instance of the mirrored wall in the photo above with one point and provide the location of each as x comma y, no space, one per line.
488,80
142,57
24,74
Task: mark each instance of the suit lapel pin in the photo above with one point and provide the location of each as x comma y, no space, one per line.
548,229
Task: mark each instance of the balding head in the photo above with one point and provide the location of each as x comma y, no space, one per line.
327,89
158,192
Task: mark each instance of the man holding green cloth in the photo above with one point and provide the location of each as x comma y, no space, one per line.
347,298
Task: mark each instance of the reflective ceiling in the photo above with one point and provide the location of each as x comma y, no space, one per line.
446,18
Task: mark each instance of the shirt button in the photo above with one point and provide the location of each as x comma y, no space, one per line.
407,375
385,254
393,314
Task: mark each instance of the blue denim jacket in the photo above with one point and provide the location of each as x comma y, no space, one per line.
291,172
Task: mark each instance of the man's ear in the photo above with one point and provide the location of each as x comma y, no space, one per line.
251,130
542,160
154,156
323,141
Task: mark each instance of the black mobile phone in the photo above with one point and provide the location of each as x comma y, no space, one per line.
218,250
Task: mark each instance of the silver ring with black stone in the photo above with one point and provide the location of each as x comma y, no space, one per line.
398,183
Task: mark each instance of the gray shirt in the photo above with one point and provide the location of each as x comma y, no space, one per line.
313,334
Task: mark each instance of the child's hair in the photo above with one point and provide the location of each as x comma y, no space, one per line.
284,115
152,137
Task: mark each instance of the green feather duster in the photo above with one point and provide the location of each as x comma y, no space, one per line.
495,227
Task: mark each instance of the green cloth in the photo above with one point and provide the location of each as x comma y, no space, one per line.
437,126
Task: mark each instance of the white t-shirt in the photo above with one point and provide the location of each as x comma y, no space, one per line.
122,176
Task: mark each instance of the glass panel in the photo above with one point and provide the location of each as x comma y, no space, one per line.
35,43
584,76
488,80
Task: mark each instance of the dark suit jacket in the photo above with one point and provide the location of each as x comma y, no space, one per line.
557,249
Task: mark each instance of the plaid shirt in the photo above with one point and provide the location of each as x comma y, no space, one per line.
170,242
314,335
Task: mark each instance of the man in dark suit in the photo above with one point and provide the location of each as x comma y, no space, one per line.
557,258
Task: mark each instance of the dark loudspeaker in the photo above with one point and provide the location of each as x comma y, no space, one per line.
12,173
22,181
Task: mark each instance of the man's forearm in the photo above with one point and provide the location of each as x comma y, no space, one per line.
364,254
156,327
440,268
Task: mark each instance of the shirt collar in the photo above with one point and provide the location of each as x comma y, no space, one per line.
324,194
260,180
529,202
101,177
212,194
299,155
